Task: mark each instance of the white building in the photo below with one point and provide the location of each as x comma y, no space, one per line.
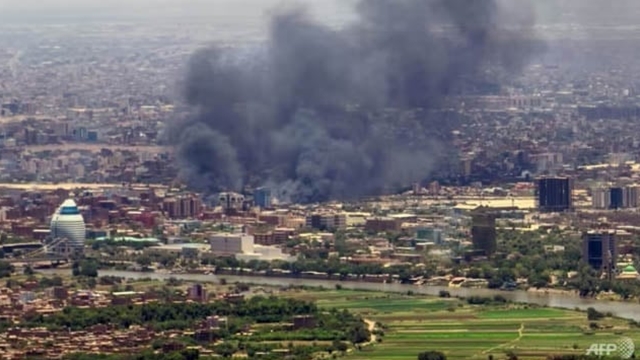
266,253
231,244
67,223
243,247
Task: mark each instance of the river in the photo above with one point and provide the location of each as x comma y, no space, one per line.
627,310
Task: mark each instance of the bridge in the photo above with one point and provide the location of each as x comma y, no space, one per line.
46,253
52,258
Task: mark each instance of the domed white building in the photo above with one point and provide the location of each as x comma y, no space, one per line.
67,223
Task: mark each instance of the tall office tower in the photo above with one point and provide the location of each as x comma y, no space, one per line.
630,196
231,201
416,189
483,230
616,195
600,198
599,250
189,206
554,194
262,197
67,223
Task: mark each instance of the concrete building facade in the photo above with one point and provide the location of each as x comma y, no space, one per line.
231,244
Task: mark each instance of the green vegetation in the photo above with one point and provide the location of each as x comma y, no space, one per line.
177,355
88,268
262,310
259,324
109,245
432,355
522,255
480,328
5,269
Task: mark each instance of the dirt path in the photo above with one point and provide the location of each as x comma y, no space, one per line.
371,325
520,335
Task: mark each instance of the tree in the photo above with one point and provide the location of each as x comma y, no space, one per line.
339,346
432,355
359,334
28,270
75,268
226,349
144,261
242,287
190,354
87,268
5,269
91,283
511,355
593,314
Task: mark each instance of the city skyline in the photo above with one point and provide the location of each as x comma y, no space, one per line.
177,177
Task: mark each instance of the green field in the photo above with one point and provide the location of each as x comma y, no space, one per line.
414,324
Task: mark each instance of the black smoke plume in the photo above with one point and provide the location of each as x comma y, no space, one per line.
322,113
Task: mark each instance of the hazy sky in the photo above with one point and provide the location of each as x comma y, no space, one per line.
617,12
151,8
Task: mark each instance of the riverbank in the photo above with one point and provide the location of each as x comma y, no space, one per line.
620,309
411,324
553,291
374,279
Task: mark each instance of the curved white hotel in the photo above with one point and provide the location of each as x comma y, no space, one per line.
68,223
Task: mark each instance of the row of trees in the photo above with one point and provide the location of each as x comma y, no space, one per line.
331,325
522,255
189,354
338,326
258,309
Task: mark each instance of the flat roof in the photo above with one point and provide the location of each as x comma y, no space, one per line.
185,246
127,239
402,216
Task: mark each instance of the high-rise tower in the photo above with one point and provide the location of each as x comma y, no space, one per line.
67,223
554,194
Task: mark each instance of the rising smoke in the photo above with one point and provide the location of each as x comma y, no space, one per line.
322,113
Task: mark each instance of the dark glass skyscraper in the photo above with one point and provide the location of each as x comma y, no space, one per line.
554,194
262,197
483,230
599,250
616,198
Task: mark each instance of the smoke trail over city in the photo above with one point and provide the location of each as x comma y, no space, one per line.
322,113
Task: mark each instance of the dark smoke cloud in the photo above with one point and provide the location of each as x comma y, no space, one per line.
321,113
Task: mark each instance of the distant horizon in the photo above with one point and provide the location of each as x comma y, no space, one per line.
145,10
584,12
